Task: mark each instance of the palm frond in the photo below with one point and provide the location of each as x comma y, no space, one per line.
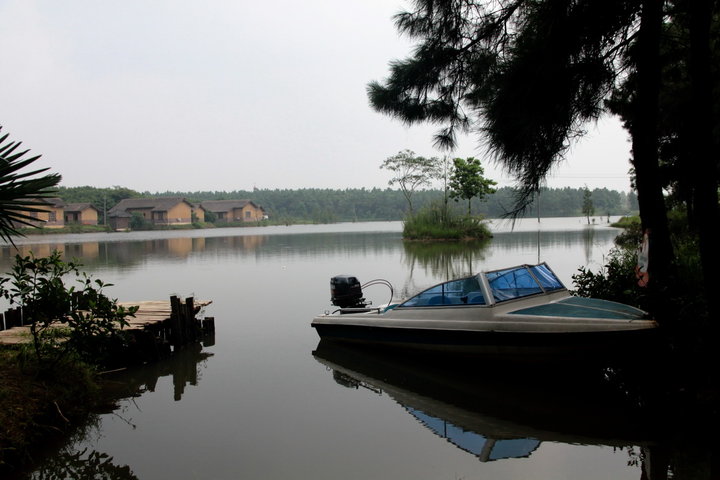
21,192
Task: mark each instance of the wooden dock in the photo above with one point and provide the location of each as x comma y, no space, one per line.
157,325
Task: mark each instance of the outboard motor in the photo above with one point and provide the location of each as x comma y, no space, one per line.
346,292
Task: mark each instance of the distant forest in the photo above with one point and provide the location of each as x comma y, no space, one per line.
328,206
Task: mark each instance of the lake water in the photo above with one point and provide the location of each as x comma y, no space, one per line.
261,400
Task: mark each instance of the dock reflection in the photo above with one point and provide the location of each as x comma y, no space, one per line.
183,366
73,461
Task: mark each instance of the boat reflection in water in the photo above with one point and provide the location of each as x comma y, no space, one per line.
483,447
496,411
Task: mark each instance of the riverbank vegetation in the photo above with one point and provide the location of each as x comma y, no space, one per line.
40,404
49,382
318,205
685,319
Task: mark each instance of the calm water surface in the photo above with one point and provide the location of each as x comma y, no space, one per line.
264,400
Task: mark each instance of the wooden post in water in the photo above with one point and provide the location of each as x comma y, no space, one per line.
189,318
184,327
176,331
208,325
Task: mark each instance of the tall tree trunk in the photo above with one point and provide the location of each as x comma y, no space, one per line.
653,214
703,155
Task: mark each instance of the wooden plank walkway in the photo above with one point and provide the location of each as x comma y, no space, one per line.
153,312
155,316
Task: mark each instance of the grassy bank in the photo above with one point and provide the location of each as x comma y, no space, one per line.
48,383
40,404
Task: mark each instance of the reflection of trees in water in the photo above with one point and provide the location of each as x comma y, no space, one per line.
82,465
72,461
129,254
445,260
588,238
527,241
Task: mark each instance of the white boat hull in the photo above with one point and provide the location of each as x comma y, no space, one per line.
546,322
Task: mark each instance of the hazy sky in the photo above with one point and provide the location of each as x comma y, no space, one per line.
183,95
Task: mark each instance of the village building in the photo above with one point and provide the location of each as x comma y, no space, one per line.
80,214
158,211
235,210
48,213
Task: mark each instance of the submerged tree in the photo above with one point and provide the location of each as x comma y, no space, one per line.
588,209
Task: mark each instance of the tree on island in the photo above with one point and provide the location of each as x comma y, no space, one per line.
467,181
410,172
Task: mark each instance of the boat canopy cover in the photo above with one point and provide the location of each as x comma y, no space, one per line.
522,281
465,291
504,285
482,446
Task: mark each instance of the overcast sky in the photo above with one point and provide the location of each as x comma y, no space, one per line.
179,95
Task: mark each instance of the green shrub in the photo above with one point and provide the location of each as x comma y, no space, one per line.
435,222
65,321
139,222
615,281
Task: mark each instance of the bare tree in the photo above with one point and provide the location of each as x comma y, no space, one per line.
411,172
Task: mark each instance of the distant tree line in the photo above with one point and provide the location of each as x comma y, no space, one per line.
327,205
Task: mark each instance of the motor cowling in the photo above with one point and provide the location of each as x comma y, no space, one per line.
346,291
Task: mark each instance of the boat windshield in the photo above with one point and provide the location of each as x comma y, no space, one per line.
465,291
522,281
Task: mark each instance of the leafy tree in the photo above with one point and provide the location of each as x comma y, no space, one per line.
467,181
410,172
529,74
20,191
688,124
587,208
210,217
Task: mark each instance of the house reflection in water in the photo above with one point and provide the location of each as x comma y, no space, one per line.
129,252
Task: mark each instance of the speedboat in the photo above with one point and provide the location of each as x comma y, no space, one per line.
522,309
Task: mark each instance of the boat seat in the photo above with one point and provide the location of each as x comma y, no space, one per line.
476,298
444,300
436,300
